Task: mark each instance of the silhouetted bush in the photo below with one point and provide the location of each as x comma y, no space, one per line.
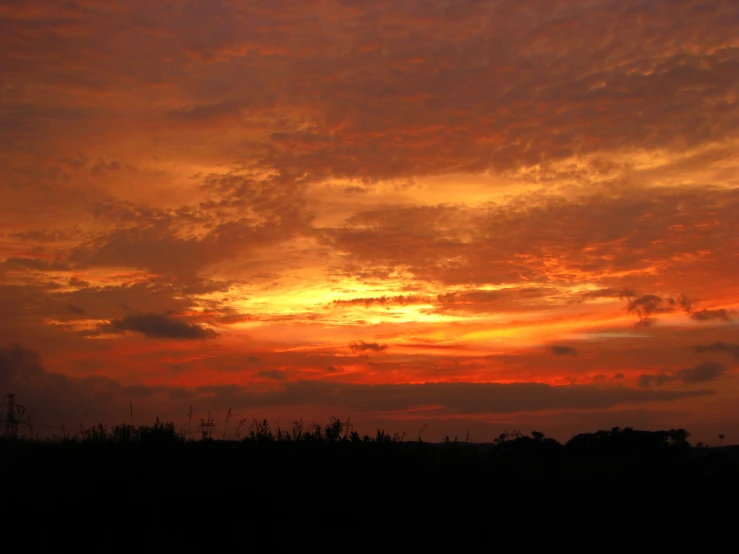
285,485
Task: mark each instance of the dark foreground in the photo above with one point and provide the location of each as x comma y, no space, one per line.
268,495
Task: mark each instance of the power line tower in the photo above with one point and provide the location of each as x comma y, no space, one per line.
348,427
13,414
207,427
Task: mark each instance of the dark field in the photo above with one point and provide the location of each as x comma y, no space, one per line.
149,490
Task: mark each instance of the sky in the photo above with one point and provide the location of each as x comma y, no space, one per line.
461,216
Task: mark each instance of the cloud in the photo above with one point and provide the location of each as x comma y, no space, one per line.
399,300
609,293
274,374
159,326
647,305
418,91
51,398
362,346
235,215
54,398
732,349
702,373
466,398
489,167
712,315
355,190
604,239
564,351
647,380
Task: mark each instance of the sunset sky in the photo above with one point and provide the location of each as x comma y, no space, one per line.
470,215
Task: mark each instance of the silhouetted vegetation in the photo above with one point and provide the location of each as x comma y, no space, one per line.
158,488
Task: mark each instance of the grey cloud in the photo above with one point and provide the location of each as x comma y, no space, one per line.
51,398
274,374
712,315
102,167
723,347
646,322
564,351
648,305
609,293
207,111
702,373
37,264
452,397
152,295
159,326
500,244
238,216
647,380
355,190
500,300
443,86
399,300
362,346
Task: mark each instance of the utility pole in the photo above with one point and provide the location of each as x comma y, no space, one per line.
12,417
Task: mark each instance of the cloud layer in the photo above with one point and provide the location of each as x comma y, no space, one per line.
479,205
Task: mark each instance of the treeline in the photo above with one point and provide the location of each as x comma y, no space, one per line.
160,488
606,443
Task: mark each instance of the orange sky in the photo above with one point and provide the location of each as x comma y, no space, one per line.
473,214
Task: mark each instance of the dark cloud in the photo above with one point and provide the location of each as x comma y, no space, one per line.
564,351
723,347
702,373
394,90
362,346
647,380
37,264
355,190
151,294
102,167
500,244
646,322
52,399
495,301
452,397
274,374
237,216
399,300
712,315
323,107
609,293
159,326
648,305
